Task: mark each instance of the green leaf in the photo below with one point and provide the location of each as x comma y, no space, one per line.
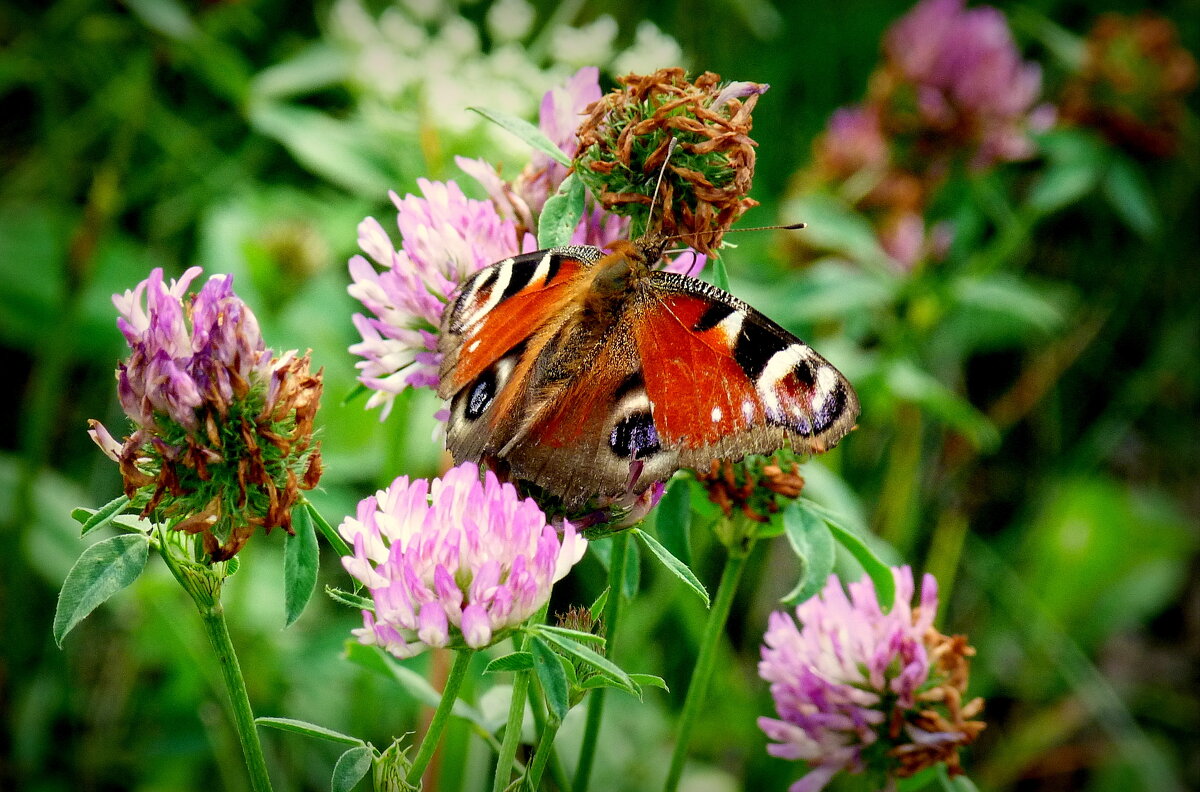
673,519
551,677
1015,299
597,609
513,662
351,767
339,151
1076,163
101,517
633,570
573,635
587,656
560,216
906,381
346,598
649,680
673,564
313,68
1128,193
525,131
101,571
331,535
879,572
812,540
833,225
720,273
301,559
307,729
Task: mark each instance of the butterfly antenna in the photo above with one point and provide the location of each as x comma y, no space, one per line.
790,227
661,171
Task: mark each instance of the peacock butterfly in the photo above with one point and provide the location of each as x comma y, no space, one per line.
591,373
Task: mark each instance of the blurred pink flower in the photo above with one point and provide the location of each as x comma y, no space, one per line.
454,561
967,75
851,675
445,237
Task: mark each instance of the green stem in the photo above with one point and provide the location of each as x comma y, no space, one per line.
512,732
612,610
540,720
243,717
545,748
433,735
706,662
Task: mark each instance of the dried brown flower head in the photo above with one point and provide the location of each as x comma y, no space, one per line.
1133,83
624,140
752,486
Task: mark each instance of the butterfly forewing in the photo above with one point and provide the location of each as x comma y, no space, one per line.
499,307
754,387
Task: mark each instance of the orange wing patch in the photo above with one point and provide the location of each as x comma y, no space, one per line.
698,392
510,320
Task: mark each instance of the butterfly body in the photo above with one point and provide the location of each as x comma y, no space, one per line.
591,373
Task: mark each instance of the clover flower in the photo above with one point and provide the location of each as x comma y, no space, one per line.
445,237
624,140
1132,83
953,78
860,689
222,437
453,562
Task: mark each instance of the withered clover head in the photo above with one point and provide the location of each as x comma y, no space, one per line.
624,140
221,437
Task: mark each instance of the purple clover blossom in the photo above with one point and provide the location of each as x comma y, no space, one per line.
966,69
445,237
559,117
206,396
849,674
453,561
175,369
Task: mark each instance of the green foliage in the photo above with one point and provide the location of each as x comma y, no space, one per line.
104,569
301,557
1042,381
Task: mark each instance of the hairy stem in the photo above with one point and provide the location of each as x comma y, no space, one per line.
706,662
595,713
433,735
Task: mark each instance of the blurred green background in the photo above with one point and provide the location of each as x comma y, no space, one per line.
1030,428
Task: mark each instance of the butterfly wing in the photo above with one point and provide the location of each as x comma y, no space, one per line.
674,373
502,318
725,381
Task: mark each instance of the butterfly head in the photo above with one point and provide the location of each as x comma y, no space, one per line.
651,247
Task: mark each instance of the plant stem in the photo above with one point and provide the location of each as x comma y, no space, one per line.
545,748
612,610
433,735
243,717
512,732
540,720
706,662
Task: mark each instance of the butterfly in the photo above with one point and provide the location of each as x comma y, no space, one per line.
590,373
